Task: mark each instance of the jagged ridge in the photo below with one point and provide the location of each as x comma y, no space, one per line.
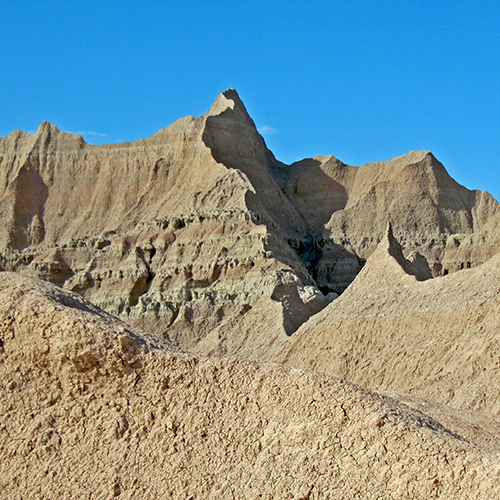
187,232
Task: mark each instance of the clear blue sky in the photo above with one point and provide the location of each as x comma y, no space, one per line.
362,80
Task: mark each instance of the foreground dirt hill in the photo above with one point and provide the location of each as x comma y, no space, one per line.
91,408
437,339
198,234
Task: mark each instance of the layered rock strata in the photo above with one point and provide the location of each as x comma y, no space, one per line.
92,408
349,208
198,233
175,232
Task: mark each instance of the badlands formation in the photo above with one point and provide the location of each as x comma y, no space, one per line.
92,408
200,235
314,330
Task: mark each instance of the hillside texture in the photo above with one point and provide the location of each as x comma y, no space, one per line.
91,408
437,338
198,234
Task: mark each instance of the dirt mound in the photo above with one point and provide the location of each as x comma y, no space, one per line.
91,408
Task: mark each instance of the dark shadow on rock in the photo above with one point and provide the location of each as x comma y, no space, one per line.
313,193
416,266
294,311
334,267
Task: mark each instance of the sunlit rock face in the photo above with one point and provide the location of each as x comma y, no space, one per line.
348,209
198,233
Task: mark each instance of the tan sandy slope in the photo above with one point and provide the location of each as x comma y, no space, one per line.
90,408
438,339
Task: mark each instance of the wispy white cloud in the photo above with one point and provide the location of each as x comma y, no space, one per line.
267,130
88,132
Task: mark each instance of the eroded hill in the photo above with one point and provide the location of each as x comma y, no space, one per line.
92,408
198,234
390,330
201,237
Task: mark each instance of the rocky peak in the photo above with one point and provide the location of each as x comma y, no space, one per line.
50,139
229,99
46,128
229,119
208,220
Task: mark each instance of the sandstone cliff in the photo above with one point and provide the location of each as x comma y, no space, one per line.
92,408
200,235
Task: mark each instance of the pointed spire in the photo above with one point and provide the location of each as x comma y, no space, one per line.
389,241
229,99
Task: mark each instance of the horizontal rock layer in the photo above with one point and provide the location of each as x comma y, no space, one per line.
199,234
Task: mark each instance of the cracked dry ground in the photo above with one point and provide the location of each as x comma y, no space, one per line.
91,408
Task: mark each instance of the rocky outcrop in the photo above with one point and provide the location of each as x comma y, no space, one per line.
92,408
198,233
437,339
349,209
172,233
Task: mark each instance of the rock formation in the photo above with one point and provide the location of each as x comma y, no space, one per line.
437,339
199,234
174,233
200,237
349,208
92,408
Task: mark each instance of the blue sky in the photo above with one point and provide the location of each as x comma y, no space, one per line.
362,80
